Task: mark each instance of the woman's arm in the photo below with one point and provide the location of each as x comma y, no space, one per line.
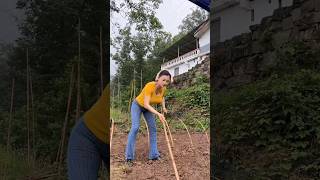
151,109
164,106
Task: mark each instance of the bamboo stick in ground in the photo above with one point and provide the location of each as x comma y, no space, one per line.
10,116
63,133
168,130
185,126
28,110
204,130
194,149
169,133
112,129
170,151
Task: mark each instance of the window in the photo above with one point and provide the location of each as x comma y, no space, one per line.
252,15
280,3
176,71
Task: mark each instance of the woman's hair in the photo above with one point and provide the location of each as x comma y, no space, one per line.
163,73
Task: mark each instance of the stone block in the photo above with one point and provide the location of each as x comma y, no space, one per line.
294,34
281,13
280,38
239,67
268,60
256,35
224,71
287,23
241,51
309,34
307,6
257,47
275,26
315,18
238,80
251,66
296,14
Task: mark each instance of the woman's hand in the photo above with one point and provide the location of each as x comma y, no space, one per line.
165,110
161,117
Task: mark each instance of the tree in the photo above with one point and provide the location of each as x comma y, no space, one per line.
136,41
192,20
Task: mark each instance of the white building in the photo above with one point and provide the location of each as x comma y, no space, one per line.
194,47
230,18
234,17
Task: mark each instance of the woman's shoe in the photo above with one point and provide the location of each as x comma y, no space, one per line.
157,158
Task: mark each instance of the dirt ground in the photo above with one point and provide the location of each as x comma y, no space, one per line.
192,164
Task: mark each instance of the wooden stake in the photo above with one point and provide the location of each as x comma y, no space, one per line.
141,81
204,130
28,111
119,90
112,130
101,61
193,148
169,133
78,75
63,133
112,105
10,116
168,130
185,126
33,119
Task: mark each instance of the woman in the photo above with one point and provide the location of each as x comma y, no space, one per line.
89,141
152,93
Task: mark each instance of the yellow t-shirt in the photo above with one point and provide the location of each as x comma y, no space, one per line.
149,90
97,118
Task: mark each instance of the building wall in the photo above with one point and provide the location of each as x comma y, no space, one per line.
184,67
236,20
205,38
204,46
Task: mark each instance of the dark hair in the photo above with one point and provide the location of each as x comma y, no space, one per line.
164,73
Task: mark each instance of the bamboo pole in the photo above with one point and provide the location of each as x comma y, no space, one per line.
101,61
33,119
78,73
141,80
168,130
63,133
112,105
193,148
134,82
10,115
185,126
28,110
119,89
170,151
112,130
204,130
170,135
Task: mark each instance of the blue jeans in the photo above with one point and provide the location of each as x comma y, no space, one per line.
85,152
136,111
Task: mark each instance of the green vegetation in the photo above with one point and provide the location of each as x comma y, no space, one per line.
271,128
190,104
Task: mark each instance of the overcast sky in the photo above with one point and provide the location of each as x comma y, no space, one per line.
170,14
8,25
